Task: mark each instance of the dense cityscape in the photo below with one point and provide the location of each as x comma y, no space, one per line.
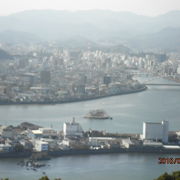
48,74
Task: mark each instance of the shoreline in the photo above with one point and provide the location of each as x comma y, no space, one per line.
74,100
75,152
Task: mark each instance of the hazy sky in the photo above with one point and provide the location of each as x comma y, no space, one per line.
145,7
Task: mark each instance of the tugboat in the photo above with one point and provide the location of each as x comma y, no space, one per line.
97,114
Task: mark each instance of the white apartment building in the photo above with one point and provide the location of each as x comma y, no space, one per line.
156,131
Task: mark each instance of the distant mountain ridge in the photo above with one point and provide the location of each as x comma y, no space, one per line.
95,25
166,39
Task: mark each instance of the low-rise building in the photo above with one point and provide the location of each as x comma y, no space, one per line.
43,133
40,146
5,148
52,144
98,141
65,142
127,143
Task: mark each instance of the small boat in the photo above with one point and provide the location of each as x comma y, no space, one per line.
97,114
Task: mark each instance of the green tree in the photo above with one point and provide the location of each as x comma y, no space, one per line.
174,176
44,178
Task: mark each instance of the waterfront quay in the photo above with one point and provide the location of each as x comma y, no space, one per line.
29,140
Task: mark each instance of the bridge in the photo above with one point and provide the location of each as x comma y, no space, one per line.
161,84
149,82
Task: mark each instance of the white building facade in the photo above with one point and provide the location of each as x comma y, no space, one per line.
43,133
40,146
156,131
72,129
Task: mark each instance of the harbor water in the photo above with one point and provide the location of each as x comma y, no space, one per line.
129,112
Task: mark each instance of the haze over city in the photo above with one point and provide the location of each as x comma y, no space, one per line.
91,88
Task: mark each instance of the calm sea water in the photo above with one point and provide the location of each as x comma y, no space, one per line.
94,167
128,112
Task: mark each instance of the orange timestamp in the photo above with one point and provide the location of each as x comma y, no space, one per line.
169,160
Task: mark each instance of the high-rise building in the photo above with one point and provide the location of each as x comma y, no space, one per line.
156,131
72,129
106,80
45,77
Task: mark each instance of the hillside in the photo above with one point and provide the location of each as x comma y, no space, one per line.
96,26
166,39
